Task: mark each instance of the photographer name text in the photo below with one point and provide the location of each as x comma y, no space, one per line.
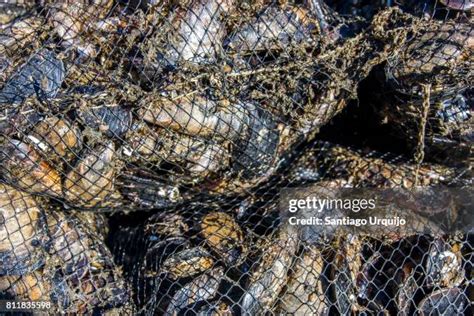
315,206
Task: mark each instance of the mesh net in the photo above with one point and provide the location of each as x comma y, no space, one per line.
146,148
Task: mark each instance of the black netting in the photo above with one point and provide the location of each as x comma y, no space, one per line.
147,147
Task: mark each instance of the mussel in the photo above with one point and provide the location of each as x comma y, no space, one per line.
201,288
197,32
112,121
28,286
464,5
274,26
304,292
448,301
268,275
92,179
80,268
42,75
20,228
72,19
56,138
224,236
187,263
443,265
357,169
22,165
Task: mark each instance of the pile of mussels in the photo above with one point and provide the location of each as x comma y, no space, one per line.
199,113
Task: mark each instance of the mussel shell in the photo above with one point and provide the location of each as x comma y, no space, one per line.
443,267
148,193
448,301
187,263
202,288
56,137
92,179
274,26
43,74
455,110
376,283
113,121
27,286
23,166
19,232
10,11
435,49
269,275
256,153
364,8
406,292
304,292
464,5
224,236
158,251
199,33
81,268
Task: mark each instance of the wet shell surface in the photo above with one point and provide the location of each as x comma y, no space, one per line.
92,179
187,263
19,232
224,236
201,288
42,75
24,166
56,137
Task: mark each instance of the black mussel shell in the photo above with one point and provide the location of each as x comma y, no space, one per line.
114,121
255,155
42,74
449,301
